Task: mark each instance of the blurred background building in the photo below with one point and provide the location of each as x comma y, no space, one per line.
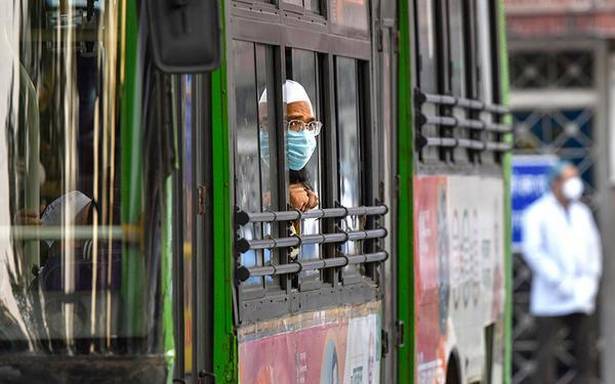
562,74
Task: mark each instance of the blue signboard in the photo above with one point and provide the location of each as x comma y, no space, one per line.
528,183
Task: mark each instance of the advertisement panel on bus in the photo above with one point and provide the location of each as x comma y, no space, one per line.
331,346
459,278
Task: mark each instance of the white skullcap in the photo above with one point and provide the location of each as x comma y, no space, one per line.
291,92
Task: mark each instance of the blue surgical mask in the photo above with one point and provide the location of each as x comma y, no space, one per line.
301,146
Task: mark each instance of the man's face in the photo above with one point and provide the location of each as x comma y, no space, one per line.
298,111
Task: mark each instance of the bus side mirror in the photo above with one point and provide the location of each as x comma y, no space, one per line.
184,34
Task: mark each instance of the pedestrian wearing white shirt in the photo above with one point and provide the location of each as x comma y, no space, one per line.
561,245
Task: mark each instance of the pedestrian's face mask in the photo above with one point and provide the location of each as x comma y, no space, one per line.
572,188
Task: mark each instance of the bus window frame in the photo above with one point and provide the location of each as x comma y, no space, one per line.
300,282
494,28
461,155
472,70
248,25
441,50
201,276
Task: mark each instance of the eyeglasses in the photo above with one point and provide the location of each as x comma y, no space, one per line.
300,125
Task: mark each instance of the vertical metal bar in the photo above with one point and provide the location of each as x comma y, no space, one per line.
279,64
602,131
178,259
496,74
202,320
258,227
330,177
369,136
32,179
385,87
472,67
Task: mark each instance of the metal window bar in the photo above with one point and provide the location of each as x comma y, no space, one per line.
452,101
244,245
454,122
471,144
445,142
311,265
450,142
243,217
442,121
498,147
498,128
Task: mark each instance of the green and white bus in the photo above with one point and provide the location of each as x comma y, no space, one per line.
244,191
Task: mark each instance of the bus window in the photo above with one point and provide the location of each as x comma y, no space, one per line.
486,57
426,42
313,5
255,170
349,145
457,47
458,43
310,5
82,227
350,15
428,59
303,69
317,239
188,226
484,52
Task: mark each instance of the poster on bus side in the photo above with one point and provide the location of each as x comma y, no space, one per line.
332,346
459,275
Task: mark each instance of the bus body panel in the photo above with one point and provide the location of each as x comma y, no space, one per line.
459,274
337,345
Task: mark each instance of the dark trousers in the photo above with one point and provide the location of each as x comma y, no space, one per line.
581,335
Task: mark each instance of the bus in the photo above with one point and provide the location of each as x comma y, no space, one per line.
254,191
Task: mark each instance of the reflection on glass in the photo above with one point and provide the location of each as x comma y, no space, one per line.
304,71
312,5
187,189
295,2
427,77
350,14
485,51
427,40
457,48
247,169
254,156
484,58
82,267
266,135
457,86
348,144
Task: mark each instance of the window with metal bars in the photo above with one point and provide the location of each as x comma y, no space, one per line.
291,258
458,118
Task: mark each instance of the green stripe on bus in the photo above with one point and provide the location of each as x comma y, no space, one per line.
133,267
507,202
405,221
224,340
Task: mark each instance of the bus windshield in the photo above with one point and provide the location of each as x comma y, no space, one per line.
80,207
